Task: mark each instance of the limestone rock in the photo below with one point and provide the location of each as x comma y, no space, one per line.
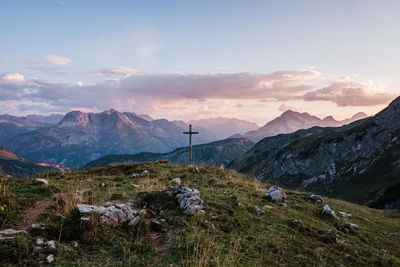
74,244
50,258
134,175
327,211
134,221
42,181
344,214
50,245
39,241
110,215
145,173
351,226
258,211
189,199
83,208
275,194
11,232
194,168
316,198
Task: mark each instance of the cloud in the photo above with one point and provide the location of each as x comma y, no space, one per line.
347,92
57,60
13,78
147,50
118,71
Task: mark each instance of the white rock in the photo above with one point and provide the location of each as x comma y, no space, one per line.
267,207
194,168
189,199
74,244
327,211
134,175
344,214
316,198
11,232
42,181
351,226
50,245
177,181
50,258
39,241
145,173
136,185
275,194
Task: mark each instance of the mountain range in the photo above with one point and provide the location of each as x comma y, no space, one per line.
359,162
214,154
291,121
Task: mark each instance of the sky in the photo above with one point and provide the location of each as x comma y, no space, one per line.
196,59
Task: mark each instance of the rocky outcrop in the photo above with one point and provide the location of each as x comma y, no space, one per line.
189,199
110,214
328,212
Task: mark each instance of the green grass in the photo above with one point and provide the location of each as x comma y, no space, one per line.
226,235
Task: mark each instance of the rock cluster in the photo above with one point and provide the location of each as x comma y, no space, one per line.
110,214
9,233
275,194
189,199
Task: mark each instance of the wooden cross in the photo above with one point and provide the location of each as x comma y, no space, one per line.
190,133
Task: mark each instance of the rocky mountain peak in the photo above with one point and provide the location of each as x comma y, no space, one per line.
74,118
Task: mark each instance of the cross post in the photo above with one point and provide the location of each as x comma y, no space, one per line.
190,133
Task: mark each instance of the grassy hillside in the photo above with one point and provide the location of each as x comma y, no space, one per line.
227,234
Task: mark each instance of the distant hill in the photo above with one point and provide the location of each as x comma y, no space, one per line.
12,165
214,154
359,162
81,137
291,121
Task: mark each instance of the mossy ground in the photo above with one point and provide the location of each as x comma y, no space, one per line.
226,235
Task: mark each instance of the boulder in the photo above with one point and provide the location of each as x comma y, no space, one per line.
316,198
189,199
275,194
110,215
42,181
327,211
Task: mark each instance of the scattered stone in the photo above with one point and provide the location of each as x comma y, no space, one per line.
176,181
194,168
283,204
42,181
74,244
344,214
258,211
39,241
134,221
384,250
327,211
267,207
145,173
50,258
275,194
189,199
50,245
296,222
136,185
142,212
134,175
316,198
351,226
103,184
340,241
240,205
347,255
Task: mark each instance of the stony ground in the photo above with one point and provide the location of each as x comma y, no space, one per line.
229,223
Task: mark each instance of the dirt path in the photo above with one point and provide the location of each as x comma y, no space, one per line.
31,214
